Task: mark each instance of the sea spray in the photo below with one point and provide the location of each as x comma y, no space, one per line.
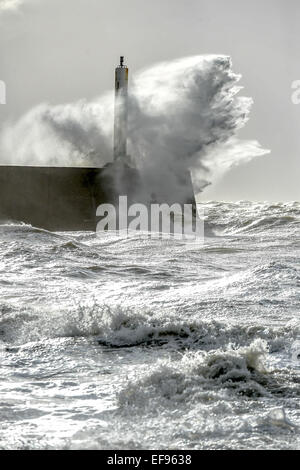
195,374
186,114
183,114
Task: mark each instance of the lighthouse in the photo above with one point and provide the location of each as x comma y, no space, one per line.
65,198
121,112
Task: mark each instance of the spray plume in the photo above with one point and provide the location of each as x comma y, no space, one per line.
182,114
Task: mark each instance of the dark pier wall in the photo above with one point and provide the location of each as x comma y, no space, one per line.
63,198
54,198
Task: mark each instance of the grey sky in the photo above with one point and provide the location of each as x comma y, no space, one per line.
62,50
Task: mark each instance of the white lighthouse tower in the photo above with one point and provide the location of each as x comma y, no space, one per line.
121,112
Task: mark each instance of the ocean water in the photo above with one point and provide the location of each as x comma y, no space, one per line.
108,342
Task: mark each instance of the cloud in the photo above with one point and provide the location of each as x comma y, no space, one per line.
11,5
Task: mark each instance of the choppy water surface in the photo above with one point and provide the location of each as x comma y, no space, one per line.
127,343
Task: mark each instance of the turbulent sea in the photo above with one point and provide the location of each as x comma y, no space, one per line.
108,342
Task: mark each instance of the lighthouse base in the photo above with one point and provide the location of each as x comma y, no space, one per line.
67,198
